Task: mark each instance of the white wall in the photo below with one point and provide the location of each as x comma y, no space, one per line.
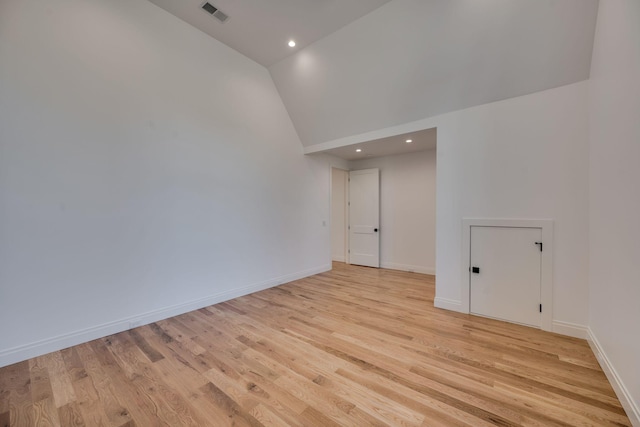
411,59
614,172
522,158
338,213
145,170
407,210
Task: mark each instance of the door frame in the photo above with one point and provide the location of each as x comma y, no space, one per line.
546,267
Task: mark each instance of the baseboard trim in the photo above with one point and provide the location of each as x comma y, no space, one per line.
631,408
569,329
38,348
448,304
338,258
409,268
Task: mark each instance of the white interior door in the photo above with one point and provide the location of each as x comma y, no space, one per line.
364,217
505,273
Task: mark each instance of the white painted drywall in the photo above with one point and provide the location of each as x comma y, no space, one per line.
145,169
614,208
407,210
338,213
522,158
412,59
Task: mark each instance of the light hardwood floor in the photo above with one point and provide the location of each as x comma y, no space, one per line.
351,347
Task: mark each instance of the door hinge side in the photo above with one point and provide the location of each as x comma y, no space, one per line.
540,308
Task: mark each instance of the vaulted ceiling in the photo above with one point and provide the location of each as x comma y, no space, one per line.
368,65
261,29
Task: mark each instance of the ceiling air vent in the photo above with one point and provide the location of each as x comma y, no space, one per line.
217,13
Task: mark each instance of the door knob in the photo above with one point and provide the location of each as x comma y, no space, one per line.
375,229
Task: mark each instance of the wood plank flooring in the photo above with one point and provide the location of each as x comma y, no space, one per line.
351,347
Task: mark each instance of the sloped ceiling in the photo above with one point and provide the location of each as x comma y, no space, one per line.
261,29
413,59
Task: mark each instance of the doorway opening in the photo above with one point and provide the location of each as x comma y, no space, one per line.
339,215
407,211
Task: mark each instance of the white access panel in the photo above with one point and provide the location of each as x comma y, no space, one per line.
364,217
508,283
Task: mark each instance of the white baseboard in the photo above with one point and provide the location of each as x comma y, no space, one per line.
449,304
570,329
409,268
38,348
338,258
631,407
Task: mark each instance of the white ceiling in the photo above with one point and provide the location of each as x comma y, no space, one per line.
260,29
420,141
365,65
413,59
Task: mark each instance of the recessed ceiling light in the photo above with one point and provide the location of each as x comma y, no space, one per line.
409,141
358,150
292,43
